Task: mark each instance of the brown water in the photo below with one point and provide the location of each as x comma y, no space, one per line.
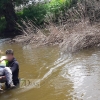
62,78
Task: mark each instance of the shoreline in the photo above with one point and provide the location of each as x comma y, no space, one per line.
82,36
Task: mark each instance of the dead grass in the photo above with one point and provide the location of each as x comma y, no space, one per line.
77,30
83,36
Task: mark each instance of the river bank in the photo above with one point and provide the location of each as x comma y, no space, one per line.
78,29
74,39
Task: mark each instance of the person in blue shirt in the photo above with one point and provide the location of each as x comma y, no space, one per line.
14,66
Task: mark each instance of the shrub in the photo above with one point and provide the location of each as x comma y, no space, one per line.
39,11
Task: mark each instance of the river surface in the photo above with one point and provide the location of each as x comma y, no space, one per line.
64,77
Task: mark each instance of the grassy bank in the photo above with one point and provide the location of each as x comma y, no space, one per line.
72,25
78,29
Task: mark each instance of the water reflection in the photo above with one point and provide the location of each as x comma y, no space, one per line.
84,73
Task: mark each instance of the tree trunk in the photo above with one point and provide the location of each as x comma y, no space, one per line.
10,17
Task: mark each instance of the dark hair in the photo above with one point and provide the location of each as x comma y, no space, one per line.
10,51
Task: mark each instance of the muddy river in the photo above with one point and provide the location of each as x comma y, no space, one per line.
66,77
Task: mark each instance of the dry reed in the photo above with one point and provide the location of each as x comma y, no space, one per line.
78,29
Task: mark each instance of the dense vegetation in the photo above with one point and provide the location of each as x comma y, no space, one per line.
38,12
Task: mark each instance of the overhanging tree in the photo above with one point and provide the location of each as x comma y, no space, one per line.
7,10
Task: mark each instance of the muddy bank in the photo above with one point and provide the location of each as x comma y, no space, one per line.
79,29
81,36
52,35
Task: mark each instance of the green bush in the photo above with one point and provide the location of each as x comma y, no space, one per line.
34,12
38,11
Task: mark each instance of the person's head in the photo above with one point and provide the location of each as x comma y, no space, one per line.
10,54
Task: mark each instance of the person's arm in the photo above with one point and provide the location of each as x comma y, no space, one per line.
3,58
2,77
14,67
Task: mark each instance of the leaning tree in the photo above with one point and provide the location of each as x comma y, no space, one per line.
7,10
